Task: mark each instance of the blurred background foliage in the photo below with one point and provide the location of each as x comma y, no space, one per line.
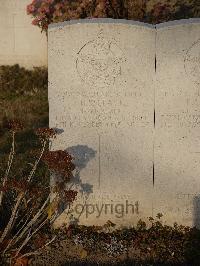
45,12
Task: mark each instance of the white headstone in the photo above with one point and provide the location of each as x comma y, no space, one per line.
126,97
20,42
177,139
98,96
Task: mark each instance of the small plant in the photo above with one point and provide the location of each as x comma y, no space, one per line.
155,243
27,210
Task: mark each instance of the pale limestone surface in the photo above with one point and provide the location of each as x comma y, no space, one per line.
177,139
20,41
131,124
99,97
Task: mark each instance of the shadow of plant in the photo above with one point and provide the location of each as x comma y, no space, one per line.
82,154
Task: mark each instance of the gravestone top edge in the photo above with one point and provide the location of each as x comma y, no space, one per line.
100,20
178,22
125,21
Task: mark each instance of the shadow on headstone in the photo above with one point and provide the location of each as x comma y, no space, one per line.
196,211
58,130
82,154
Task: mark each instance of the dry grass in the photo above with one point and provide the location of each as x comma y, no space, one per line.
28,105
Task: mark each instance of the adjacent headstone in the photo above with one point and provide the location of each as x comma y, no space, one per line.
177,139
20,42
125,97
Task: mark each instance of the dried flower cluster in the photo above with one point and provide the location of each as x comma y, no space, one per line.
13,125
45,133
60,162
70,195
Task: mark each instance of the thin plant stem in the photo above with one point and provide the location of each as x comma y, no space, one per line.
39,250
37,161
32,221
10,161
31,235
12,218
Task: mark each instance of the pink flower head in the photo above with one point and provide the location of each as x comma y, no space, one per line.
59,6
35,21
49,1
57,13
30,9
43,10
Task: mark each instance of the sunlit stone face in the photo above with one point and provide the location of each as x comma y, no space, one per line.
99,62
127,100
192,62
